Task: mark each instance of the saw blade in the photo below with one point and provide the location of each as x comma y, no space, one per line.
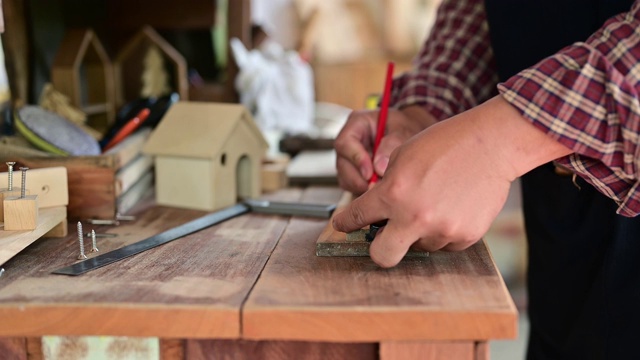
153,241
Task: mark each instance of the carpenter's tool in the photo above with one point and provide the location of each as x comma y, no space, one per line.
258,206
373,230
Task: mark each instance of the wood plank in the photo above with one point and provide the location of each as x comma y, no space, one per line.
132,172
13,348
447,296
50,184
278,350
12,242
190,288
424,350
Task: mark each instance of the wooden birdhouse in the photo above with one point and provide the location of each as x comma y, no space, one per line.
141,68
207,155
82,71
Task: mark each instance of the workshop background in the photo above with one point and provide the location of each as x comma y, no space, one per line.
347,44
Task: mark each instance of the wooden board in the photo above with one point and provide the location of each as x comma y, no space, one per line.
50,184
12,242
193,287
447,296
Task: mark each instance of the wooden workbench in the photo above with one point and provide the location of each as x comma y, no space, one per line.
252,288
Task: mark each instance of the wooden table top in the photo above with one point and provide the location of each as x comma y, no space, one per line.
254,277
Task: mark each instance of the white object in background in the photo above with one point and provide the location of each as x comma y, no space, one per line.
276,86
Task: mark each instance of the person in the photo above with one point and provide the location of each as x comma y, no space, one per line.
503,90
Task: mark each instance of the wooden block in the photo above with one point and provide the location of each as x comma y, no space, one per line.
49,184
274,177
5,194
20,213
336,243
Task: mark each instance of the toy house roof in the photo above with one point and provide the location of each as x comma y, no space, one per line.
77,45
200,129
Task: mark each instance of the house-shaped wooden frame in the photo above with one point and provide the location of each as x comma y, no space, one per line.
207,155
128,66
82,71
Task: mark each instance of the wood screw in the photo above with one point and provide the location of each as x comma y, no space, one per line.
10,173
82,256
94,247
24,182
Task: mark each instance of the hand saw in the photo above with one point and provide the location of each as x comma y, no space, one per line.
258,206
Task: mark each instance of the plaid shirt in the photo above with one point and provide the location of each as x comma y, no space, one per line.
585,96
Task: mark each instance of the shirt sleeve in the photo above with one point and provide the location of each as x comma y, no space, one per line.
587,98
455,69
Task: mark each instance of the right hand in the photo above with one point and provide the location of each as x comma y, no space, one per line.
354,144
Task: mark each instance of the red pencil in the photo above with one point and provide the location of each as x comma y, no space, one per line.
128,128
382,117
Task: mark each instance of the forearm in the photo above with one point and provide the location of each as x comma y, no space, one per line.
496,127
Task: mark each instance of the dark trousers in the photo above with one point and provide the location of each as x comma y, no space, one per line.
584,271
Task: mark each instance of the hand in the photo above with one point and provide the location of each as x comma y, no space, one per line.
444,187
354,144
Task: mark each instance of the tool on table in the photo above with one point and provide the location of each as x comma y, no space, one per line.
102,235
258,206
115,221
127,129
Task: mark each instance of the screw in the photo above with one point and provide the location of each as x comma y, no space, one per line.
94,247
24,182
81,241
10,173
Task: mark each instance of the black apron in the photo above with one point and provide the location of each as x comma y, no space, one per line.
584,260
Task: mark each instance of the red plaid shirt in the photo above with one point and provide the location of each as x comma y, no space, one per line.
585,96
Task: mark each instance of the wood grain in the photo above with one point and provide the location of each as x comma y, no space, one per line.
190,288
278,350
424,350
447,296
12,242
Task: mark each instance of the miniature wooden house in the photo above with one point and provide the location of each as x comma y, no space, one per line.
207,155
130,64
82,71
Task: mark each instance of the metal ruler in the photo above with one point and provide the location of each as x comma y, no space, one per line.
258,206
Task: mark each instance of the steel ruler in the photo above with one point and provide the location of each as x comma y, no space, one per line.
258,206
